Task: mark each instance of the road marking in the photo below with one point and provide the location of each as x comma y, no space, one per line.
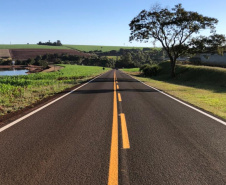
125,136
39,109
113,166
117,87
202,112
119,97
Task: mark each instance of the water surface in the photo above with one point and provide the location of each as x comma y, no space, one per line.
12,72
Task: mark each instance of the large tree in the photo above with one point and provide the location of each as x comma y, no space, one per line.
174,29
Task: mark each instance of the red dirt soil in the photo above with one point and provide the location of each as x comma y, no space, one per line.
24,54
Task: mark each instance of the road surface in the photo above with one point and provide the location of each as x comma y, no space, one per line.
114,130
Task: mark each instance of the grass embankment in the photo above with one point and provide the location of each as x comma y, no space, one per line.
30,46
202,86
17,92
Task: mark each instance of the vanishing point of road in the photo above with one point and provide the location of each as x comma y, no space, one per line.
114,130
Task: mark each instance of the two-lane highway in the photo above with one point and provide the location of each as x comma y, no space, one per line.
114,130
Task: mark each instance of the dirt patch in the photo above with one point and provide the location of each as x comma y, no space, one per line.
24,54
4,53
52,68
34,69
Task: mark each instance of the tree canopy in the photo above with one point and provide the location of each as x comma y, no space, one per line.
57,43
174,29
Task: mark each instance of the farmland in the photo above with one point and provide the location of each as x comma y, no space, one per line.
17,92
23,54
29,46
86,48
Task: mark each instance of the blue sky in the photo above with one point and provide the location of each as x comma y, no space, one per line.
86,22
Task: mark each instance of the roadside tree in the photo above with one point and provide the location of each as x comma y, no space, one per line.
174,29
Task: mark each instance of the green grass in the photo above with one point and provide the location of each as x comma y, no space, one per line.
113,57
17,92
202,86
30,46
131,70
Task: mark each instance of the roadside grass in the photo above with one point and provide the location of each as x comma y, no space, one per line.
131,69
17,92
201,86
30,46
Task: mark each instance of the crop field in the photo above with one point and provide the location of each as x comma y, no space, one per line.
17,92
86,48
23,54
30,46
78,47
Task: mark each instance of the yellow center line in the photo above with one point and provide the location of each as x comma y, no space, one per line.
119,97
125,136
117,87
113,167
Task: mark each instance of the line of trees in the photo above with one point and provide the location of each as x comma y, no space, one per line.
47,59
57,43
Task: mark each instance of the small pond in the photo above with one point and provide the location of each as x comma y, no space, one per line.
12,71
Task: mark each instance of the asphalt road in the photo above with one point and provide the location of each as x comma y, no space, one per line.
114,130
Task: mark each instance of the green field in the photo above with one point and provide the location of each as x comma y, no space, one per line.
86,48
30,46
201,86
17,92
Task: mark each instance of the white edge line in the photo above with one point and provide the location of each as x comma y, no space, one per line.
202,112
37,110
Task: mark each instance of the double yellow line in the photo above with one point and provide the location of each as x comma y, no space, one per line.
113,167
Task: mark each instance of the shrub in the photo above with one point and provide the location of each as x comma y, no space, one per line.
18,62
43,63
150,70
195,60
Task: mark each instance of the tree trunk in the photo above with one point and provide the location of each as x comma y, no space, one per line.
173,65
